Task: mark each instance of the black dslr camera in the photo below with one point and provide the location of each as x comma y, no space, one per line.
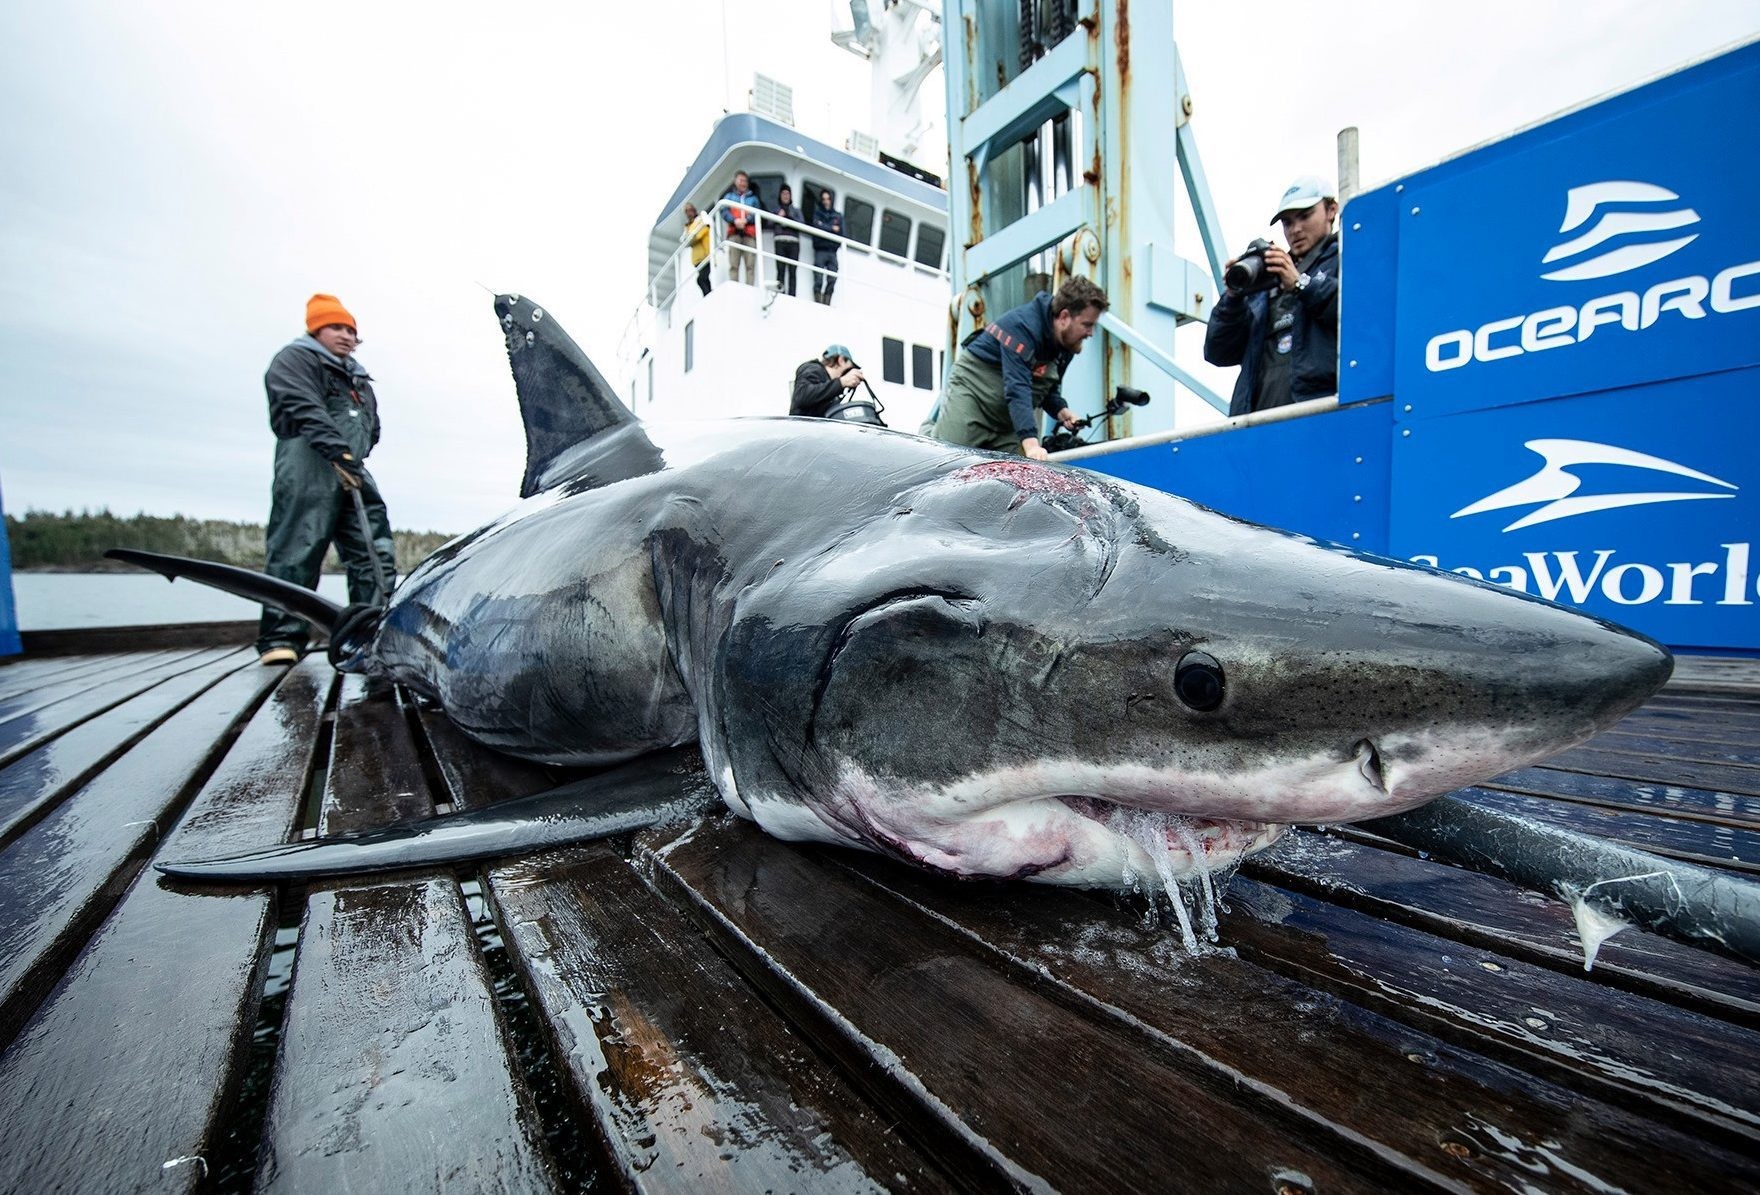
1063,439
1248,275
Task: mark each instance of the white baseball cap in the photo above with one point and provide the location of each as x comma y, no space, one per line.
1303,194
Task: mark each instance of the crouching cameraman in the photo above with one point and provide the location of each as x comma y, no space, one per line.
1278,315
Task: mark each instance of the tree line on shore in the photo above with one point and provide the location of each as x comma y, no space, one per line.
76,542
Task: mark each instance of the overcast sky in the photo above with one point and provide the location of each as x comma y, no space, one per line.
177,177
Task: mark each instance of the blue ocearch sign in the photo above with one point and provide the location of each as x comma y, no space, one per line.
1596,503
1614,247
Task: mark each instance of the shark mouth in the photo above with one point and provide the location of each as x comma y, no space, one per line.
1178,845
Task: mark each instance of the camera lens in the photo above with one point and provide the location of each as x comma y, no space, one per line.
1244,273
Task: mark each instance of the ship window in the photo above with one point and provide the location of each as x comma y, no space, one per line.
650,381
892,360
930,241
895,233
858,220
922,367
809,196
768,187
690,345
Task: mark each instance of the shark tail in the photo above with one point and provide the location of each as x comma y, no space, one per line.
349,628
626,799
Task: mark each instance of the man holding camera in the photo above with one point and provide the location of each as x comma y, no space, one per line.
1278,315
821,384
1008,369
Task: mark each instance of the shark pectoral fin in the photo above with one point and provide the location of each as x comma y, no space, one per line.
625,799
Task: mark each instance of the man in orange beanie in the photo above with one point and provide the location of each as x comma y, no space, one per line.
326,420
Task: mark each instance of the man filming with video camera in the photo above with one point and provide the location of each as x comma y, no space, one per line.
1278,315
1008,371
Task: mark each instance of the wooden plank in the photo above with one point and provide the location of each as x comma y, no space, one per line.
1716,674
1686,727
63,875
690,1078
172,980
31,731
1622,1048
30,786
1676,838
984,1071
1669,800
1723,777
21,674
1452,1116
394,1070
1492,914
1739,705
40,696
1660,747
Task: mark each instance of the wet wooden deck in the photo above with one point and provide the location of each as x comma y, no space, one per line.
704,1007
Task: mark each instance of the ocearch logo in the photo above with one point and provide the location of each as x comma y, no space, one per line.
1610,236
1619,226
1555,486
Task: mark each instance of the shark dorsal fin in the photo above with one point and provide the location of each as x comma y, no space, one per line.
563,399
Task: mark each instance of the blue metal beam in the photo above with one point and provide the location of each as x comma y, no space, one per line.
1042,91
1026,236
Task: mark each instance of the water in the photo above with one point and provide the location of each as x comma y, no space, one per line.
60,601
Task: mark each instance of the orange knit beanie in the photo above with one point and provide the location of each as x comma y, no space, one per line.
324,310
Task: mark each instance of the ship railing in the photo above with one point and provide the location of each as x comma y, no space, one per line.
679,273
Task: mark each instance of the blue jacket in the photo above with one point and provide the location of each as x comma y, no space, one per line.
1022,345
750,200
1236,335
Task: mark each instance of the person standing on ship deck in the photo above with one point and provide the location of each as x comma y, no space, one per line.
326,420
741,219
788,240
1009,369
697,232
826,218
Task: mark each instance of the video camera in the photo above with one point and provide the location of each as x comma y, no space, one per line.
858,409
1248,275
1125,396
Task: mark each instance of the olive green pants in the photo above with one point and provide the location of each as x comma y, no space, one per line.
974,411
309,510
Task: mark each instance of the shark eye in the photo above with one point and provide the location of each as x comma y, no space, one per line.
1197,679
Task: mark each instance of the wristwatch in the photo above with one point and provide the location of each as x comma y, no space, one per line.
1301,282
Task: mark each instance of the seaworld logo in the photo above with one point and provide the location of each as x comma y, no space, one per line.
1614,244
1620,226
1556,486
1578,575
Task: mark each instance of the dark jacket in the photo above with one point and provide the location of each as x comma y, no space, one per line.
1021,344
323,399
1237,331
830,221
783,231
815,390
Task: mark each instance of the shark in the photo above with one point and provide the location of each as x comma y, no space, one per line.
981,665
